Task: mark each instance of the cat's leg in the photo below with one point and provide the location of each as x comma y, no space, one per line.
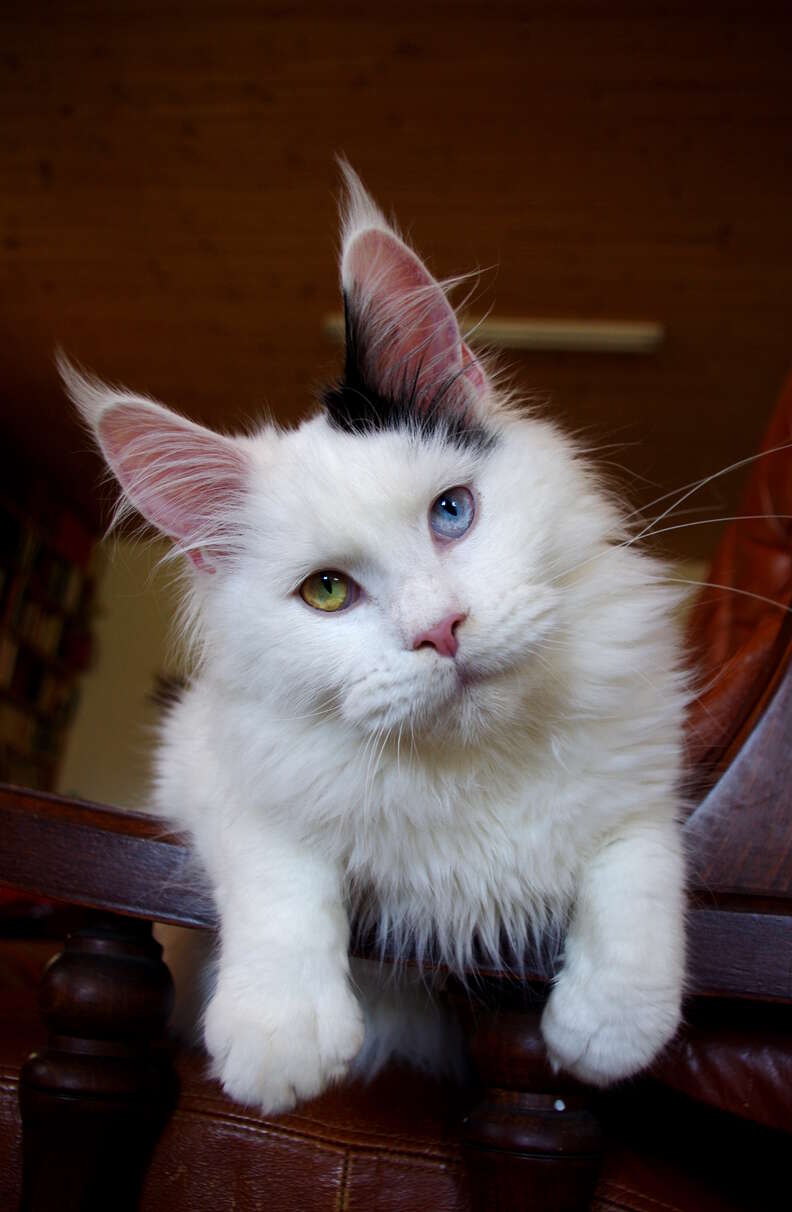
616,1002
283,1021
407,1020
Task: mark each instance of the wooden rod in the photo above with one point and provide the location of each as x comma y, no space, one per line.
546,335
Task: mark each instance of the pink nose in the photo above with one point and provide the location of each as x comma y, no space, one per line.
442,636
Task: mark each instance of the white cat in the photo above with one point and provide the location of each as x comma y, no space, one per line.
436,689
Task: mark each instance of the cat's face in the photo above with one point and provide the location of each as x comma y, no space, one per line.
437,520
368,509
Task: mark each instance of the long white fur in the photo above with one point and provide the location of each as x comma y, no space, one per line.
322,766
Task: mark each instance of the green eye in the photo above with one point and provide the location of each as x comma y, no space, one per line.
328,591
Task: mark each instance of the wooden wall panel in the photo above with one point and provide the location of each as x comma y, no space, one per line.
167,203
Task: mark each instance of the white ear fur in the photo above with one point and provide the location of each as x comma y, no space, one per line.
359,211
412,336
184,479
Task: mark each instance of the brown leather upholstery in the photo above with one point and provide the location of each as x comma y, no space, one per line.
736,1057
737,632
664,1154
393,1144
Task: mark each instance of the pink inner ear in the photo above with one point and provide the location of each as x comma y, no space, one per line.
411,335
183,478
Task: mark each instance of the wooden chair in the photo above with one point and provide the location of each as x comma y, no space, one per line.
101,1108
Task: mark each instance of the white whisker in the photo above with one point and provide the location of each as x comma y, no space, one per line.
745,593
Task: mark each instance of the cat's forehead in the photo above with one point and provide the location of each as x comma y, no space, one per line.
392,466
332,490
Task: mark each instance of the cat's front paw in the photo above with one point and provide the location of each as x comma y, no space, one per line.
602,1027
277,1049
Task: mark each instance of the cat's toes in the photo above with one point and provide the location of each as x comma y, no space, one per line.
275,1055
604,1029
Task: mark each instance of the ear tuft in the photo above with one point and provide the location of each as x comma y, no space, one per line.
87,393
359,211
186,480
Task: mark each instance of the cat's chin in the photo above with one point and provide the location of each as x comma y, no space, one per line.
467,678
487,702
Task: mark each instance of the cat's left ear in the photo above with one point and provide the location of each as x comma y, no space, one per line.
186,480
403,339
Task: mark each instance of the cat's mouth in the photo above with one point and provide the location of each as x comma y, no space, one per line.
467,677
471,677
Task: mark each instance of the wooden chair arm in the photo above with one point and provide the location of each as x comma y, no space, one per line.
98,857
127,863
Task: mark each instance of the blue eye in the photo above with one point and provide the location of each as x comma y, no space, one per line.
452,513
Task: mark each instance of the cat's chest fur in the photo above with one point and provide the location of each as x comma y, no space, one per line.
440,850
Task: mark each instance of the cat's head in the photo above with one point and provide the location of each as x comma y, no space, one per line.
401,559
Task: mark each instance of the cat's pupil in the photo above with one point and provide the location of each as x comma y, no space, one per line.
450,506
328,591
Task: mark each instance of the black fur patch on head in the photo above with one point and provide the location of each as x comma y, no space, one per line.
354,406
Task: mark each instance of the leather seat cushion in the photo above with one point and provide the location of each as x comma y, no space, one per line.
667,1154
392,1145
388,1145
736,1057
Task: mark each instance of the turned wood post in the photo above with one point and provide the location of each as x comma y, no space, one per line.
532,1142
93,1100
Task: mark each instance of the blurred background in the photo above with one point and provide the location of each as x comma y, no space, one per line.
168,215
